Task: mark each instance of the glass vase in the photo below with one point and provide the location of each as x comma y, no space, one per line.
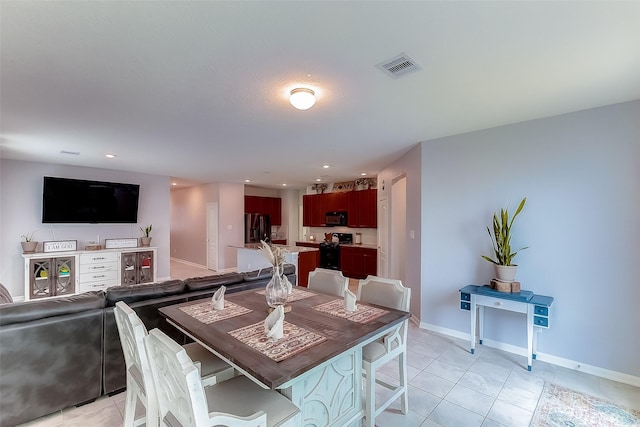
276,291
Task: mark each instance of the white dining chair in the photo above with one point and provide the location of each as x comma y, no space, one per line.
330,282
139,380
184,402
386,293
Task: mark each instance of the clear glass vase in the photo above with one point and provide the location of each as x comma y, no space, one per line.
276,291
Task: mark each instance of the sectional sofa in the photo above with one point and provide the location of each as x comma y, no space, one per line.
62,352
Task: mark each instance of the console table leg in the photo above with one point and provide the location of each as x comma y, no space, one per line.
473,323
529,336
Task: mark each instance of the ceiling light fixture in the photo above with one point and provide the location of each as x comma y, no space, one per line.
302,98
363,173
110,156
326,166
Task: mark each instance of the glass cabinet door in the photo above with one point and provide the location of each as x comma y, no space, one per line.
40,281
145,267
129,267
65,276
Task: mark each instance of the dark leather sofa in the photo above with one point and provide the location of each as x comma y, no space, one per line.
63,352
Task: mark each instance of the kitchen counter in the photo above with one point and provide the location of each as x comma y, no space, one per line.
290,249
317,244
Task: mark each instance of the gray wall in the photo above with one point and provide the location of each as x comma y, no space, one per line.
21,212
580,173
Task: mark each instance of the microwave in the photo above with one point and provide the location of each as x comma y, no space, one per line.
335,218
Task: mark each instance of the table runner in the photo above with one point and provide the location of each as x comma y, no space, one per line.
205,314
295,340
363,314
295,295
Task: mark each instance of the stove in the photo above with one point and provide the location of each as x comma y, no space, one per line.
330,251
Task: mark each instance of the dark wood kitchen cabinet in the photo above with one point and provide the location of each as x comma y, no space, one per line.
362,209
358,263
271,206
314,209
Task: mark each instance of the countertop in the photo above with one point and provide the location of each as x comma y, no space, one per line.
352,245
290,249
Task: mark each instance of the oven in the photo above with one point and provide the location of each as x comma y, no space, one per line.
330,255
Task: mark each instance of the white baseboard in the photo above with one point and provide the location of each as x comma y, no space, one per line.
189,263
549,358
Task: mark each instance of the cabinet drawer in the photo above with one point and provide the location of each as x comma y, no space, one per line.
542,322
98,258
99,276
541,310
465,296
465,305
96,268
94,286
502,304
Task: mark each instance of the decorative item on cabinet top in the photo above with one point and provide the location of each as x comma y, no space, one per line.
60,246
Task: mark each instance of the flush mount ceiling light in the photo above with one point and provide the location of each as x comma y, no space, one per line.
302,98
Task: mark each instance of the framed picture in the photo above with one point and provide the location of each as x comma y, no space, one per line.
120,243
60,246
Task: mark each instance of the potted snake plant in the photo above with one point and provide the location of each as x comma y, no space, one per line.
501,239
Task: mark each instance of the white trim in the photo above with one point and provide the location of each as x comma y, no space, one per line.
549,358
189,263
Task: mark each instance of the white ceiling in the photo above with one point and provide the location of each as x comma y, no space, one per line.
197,90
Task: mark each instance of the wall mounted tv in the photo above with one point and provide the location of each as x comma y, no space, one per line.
78,201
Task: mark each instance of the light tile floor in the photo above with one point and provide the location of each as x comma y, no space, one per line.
448,386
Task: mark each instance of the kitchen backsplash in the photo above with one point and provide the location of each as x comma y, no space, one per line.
369,235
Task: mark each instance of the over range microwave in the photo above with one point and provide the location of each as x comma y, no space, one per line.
335,218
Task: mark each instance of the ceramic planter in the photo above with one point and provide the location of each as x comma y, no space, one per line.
145,241
505,273
29,247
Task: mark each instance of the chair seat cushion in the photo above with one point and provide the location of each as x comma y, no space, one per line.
210,364
240,396
375,350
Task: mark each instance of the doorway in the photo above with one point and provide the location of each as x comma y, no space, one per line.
212,236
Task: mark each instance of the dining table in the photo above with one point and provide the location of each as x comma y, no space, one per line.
317,363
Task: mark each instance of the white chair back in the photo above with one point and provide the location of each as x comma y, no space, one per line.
181,397
385,292
139,380
330,282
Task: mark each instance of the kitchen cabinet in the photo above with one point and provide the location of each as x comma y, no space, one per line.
271,206
357,262
307,262
314,209
336,202
362,209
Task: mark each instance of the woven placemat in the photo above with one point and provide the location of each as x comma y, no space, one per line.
295,340
205,314
295,295
363,313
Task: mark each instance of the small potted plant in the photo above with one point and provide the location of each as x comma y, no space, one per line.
145,240
28,244
501,240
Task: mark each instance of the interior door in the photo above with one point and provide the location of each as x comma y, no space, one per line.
383,237
212,236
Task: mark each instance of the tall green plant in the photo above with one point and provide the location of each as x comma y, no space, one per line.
501,238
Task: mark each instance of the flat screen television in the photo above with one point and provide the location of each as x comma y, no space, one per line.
79,201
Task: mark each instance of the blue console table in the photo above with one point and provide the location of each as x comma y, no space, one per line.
536,307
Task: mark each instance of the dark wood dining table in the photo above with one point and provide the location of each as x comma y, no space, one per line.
324,379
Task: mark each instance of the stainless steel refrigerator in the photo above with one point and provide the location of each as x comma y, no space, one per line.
256,227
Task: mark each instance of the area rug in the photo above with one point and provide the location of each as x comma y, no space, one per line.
560,406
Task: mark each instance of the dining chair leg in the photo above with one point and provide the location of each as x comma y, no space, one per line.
404,401
130,408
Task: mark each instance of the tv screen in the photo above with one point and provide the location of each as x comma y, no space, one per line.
78,201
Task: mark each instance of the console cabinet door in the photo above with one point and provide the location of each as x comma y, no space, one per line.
49,277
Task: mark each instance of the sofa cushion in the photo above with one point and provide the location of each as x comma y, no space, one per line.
213,281
133,293
26,311
5,296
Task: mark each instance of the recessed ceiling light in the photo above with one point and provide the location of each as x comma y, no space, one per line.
247,180
318,179
326,166
284,184
110,156
174,183
363,173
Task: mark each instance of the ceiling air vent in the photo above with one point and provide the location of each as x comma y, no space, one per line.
398,66
69,153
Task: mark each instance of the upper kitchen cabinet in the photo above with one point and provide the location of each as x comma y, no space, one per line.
362,209
314,209
336,201
271,206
